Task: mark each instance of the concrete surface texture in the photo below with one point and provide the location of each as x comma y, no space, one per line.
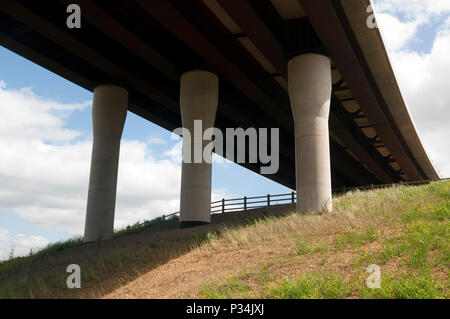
109,111
309,80
199,93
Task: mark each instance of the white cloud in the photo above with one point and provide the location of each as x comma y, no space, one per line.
44,168
399,20
424,80
19,245
413,9
422,77
447,23
34,117
156,141
398,34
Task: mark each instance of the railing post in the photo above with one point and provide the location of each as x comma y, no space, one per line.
293,197
268,200
245,203
223,205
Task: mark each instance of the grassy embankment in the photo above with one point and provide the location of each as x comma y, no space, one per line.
404,230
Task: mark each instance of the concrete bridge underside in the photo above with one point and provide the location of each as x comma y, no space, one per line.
255,48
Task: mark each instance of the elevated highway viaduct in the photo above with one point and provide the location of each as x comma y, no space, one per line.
316,70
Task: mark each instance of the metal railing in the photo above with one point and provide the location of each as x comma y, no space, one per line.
225,206
248,203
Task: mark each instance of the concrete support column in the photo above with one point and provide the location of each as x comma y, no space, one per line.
199,94
309,77
109,110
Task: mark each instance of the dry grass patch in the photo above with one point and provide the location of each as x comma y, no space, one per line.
404,230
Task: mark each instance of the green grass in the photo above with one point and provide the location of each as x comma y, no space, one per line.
10,266
18,278
303,246
231,287
139,227
311,286
404,230
412,286
354,239
54,248
331,286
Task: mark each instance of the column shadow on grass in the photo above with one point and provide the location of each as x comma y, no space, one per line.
107,265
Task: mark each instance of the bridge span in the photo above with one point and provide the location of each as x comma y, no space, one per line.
316,70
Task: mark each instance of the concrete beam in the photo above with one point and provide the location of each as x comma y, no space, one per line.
109,111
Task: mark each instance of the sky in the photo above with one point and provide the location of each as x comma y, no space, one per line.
46,137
